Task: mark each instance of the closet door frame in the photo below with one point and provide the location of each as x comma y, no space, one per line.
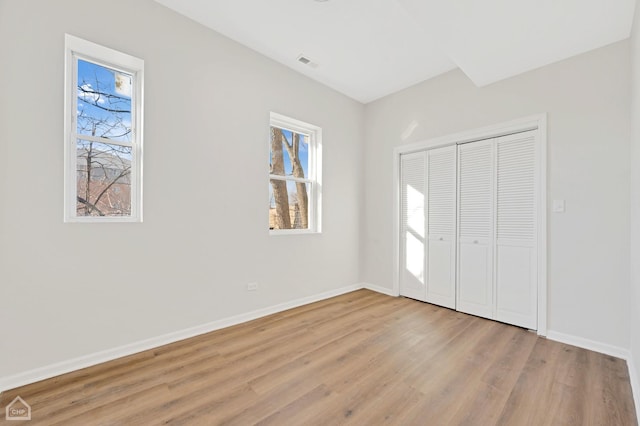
535,122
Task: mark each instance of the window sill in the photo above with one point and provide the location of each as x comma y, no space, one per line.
279,232
97,219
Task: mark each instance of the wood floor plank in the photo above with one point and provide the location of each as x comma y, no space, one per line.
607,380
358,359
486,399
242,375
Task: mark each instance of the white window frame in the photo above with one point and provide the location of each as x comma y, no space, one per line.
315,171
77,48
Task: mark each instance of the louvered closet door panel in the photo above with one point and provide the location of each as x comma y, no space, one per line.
413,169
516,265
441,225
475,228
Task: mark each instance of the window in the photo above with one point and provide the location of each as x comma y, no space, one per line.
295,186
103,134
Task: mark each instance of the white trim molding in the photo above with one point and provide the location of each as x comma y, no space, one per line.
379,289
591,345
524,124
633,378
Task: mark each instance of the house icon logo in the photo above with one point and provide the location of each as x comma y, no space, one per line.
18,409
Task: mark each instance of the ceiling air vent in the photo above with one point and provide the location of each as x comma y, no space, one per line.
307,61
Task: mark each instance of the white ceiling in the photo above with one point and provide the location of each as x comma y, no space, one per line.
367,49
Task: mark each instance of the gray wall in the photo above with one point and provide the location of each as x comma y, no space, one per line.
587,101
635,204
69,290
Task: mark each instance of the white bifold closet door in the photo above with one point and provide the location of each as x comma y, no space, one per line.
497,210
413,187
516,281
428,197
476,228
441,226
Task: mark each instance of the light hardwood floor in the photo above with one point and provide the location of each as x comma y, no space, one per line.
362,358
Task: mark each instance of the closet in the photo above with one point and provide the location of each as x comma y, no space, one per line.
468,228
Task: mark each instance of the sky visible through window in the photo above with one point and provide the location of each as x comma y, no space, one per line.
104,102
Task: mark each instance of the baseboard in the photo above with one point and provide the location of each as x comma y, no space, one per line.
53,370
592,345
635,385
378,289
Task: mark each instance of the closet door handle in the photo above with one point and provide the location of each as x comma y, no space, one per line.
475,241
441,239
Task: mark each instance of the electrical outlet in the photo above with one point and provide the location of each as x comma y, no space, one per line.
252,286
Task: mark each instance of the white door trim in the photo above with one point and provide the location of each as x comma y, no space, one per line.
539,122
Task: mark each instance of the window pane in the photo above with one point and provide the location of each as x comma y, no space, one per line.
103,179
104,102
290,157
288,205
